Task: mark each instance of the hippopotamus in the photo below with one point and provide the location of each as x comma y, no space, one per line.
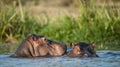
56,48
82,49
36,46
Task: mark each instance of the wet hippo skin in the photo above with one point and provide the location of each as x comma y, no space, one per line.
37,46
82,49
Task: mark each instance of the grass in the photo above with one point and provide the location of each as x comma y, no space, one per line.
100,25
17,24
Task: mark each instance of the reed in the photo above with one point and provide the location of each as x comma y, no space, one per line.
94,24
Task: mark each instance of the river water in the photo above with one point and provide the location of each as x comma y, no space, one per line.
107,59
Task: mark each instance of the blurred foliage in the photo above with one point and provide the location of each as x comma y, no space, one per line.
15,24
99,25
16,2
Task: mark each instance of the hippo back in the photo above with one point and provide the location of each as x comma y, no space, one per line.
56,48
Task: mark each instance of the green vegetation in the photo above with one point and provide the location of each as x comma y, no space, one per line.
100,25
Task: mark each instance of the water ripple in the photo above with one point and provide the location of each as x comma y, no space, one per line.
106,59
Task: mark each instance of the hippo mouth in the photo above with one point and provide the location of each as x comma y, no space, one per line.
87,51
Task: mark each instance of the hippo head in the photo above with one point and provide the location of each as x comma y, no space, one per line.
38,39
82,49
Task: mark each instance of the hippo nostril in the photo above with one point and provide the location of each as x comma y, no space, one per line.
85,55
78,52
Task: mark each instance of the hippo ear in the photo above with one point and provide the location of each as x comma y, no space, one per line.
72,45
34,38
92,44
32,35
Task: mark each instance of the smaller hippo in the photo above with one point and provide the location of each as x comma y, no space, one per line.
82,49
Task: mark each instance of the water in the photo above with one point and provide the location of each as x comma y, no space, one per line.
106,59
